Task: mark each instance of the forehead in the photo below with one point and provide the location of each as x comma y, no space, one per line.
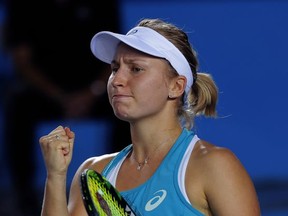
130,53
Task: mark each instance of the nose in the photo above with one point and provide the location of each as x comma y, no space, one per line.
119,78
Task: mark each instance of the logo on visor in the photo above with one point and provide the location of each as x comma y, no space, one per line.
133,32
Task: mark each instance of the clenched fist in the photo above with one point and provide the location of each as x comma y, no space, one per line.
57,149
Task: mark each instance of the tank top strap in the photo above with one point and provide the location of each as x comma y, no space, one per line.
116,160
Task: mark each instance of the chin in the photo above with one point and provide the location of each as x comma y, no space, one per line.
122,116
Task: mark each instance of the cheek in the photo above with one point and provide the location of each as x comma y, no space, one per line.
109,90
151,92
156,87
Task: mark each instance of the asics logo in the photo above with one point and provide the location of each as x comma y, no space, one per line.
156,200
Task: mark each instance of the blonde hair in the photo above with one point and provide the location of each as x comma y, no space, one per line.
203,96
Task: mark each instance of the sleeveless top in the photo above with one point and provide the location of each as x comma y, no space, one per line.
164,192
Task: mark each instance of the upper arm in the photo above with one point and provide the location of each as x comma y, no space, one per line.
228,187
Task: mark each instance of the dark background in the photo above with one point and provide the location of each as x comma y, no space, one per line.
243,44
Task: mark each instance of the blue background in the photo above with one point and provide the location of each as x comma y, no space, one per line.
243,44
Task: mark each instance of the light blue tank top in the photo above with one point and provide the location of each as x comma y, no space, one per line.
161,193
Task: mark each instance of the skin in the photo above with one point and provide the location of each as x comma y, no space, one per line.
138,89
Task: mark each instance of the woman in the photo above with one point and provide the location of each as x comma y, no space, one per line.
155,86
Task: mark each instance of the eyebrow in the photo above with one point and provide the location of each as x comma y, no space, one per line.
131,60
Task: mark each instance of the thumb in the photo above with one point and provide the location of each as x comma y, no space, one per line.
69,133
71,136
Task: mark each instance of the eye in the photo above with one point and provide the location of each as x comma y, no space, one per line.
114,69
136,69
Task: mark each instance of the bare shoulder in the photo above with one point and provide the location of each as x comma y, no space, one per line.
212,165
217,162
218,176
212,155
98,162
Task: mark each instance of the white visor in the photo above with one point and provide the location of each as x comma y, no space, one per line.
104,44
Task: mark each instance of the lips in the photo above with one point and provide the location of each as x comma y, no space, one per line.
120,96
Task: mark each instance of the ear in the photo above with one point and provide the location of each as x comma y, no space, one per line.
177,86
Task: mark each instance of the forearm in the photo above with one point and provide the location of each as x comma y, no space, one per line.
55,198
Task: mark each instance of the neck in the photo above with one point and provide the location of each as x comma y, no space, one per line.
156,143
145,132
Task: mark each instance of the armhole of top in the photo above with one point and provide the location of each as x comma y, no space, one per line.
113,173
183,166
111,170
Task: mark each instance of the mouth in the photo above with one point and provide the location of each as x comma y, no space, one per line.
120,96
